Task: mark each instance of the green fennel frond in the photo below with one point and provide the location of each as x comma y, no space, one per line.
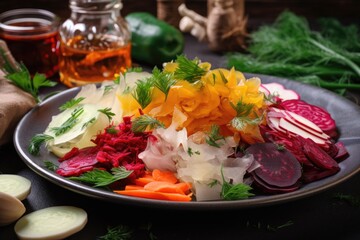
71,103
37,141
188,70
69,123
143,122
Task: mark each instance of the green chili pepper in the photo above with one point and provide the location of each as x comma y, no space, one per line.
154,41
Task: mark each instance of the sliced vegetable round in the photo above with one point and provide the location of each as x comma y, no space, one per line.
15,185
315,114
278,168
51,223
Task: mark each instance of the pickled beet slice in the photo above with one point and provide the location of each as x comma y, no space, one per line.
314,174
317,155
279,167
315,114
273,189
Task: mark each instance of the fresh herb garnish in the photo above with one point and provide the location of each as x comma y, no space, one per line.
50,165
238,191
107,111
353,200
69,123
91,121
188,70
243,118
190,152
101,178
143,92
162,80
143,122
120,232
19,75
288,48
71,103
37,141
214,136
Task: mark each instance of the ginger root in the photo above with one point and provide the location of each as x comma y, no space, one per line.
224,29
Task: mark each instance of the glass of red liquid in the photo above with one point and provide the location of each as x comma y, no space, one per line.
32,37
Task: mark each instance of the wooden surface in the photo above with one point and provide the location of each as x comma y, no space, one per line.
258,11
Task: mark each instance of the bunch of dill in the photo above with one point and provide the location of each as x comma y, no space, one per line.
328,58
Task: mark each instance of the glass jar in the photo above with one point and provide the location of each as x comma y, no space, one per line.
95,43
32,38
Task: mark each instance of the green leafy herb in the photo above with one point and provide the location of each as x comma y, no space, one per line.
37,141
190,152
143,92
101,178
238,191
120,232
188,70
50,165
107,111
353,200
91,121
214,136
69,123
242,119
71,103
162,80
327,58
19,75
143,122
111,130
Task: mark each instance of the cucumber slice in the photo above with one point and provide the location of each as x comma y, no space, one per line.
57,222
15,185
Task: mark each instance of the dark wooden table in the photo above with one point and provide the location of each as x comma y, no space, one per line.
320,216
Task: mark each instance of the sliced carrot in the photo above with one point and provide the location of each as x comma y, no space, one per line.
165,176
133,187
184,186
155,195
143,181
165,187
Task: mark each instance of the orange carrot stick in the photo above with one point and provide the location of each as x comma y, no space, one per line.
133,187
155,195
165,187
165,176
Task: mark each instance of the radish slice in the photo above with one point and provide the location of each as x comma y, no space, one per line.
57,222
279,90
11,209
15,185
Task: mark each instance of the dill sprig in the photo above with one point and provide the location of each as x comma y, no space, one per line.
238,191
243,118
69,123
120,232
107,111
37,141
162,80
71,103
101,178
214,136
327,58
143,122
188,70
143,91
51,166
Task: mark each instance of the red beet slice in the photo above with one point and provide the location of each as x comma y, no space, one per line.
273,189
315,114
279,168
342,152
317,155
314,174
83,161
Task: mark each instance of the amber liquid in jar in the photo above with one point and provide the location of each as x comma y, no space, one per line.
82,65
32,38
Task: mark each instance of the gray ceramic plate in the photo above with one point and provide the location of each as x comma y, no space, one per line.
346,114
